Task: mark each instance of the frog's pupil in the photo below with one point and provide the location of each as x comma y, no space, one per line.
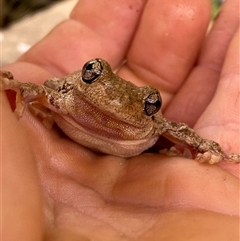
91,70
89,66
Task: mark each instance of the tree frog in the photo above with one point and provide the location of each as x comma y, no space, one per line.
99,110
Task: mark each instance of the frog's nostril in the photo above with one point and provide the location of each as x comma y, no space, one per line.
91,71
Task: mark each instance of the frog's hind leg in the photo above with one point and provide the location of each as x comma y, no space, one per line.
30,93
7,82
207,150
25,92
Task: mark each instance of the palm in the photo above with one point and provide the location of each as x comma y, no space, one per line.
92,195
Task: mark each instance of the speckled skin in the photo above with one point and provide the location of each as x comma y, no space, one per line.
98,109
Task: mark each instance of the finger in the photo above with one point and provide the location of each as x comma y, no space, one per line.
198,90
222,117
176,183
225,104
166,43
220,36
95,29
21,197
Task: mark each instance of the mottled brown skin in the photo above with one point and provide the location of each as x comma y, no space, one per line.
99,110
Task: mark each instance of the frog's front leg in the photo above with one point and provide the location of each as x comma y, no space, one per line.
30,93
207,150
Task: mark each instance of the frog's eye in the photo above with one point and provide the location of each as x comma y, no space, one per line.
91,70
152,104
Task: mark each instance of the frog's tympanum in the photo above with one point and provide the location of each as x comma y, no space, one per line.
99,110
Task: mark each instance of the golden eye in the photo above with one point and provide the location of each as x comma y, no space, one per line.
91,71
152,104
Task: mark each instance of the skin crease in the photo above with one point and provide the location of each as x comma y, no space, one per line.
54,189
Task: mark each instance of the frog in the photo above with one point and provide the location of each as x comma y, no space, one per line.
98,109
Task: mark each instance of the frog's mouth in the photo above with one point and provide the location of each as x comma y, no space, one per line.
106,122
100,123
101,141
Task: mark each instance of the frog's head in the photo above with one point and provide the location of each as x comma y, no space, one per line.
120,97
110,114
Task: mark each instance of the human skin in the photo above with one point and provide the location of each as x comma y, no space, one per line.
55,189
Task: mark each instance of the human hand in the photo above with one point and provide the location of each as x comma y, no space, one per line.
59,189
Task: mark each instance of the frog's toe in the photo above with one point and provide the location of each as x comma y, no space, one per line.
6,74
6,80
235,158
208,157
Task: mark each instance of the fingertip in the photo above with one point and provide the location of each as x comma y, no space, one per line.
95,29
167,41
